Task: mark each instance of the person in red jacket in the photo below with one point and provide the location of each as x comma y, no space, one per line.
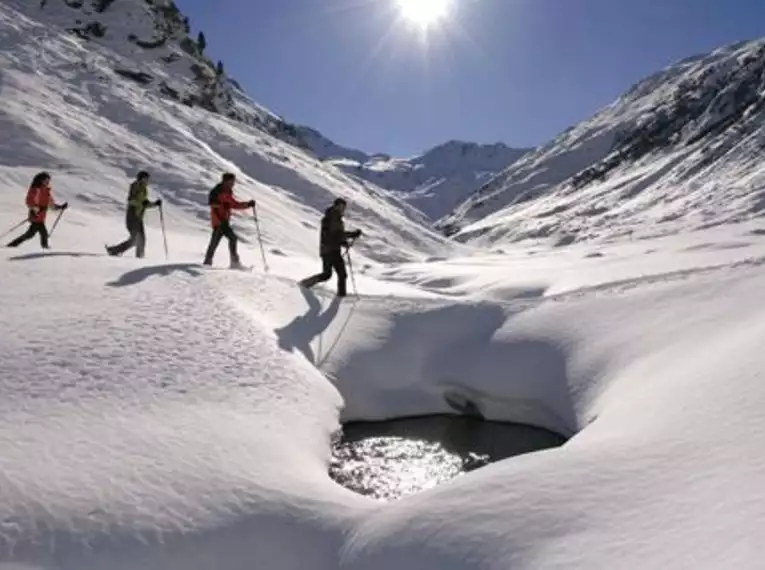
39,201
222,201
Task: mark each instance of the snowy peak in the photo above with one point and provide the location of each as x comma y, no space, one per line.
434,181
455,156
326,149
680,150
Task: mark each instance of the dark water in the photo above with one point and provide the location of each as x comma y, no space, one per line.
392,459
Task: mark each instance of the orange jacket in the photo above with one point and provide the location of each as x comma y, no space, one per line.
38,201
221,205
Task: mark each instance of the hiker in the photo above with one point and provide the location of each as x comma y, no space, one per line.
138,202
333,238
221,200
39,200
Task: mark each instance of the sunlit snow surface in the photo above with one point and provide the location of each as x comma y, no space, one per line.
157,415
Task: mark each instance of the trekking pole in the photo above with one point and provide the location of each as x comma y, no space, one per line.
164,234
55,223
14,228
350,269
260,238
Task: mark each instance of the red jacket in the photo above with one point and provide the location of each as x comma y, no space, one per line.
39,199
221,203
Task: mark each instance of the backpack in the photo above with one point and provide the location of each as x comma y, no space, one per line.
212,198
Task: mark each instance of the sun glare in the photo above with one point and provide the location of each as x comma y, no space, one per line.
424,13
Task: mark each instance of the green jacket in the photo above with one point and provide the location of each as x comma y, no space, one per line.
137,198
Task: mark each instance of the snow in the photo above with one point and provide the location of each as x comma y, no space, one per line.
158,415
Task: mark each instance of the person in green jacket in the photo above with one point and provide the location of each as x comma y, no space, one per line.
138,202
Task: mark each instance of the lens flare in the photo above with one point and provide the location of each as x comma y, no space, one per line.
424,13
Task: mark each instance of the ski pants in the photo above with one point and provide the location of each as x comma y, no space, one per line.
134,225
332,260
33,229
223,229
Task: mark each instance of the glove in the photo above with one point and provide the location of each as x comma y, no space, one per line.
158,203
146,203
63,206
357,234
251,203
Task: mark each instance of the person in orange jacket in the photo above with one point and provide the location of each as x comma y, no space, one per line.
221,200
39,201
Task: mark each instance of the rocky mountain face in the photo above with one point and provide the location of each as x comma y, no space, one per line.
681,150
160,54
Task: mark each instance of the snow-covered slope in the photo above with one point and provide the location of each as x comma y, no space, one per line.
681,150
152,38
66,109
160,416
435,181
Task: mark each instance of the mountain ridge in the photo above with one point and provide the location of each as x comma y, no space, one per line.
434,181
679,150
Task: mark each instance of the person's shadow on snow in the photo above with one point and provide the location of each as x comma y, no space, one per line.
137,275
303,329
44,254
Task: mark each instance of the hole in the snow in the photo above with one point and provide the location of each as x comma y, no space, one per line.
392,459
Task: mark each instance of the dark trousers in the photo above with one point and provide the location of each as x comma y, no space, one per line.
135,228
333,260
224,229
33,229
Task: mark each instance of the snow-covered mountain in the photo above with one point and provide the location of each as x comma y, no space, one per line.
160,415
157,52
682,149
123,84
159,55
435,181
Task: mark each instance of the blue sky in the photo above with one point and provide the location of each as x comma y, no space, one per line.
516,71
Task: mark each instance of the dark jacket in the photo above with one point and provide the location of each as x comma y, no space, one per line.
333,234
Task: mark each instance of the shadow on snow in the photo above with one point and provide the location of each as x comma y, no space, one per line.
137,275
43,254
304,328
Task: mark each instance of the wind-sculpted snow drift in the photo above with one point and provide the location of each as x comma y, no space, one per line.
172,420
158,415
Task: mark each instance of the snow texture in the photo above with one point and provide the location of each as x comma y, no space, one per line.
158,415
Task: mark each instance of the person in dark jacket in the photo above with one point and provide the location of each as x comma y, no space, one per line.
222,201
138,202
332,241
39,200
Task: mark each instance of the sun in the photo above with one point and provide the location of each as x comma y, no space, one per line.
424,13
